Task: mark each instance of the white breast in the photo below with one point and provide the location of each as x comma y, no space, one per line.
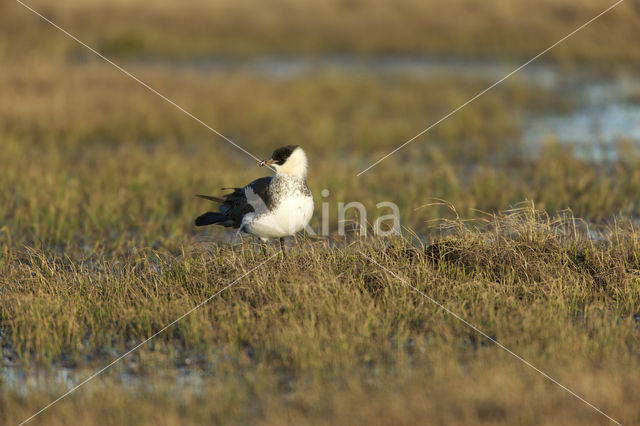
291,215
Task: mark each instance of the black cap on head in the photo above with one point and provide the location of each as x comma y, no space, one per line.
280,155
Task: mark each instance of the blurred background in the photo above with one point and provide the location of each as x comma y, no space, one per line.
97,180
89,154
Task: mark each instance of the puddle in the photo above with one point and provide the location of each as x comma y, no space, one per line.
421,66
606,109
603,116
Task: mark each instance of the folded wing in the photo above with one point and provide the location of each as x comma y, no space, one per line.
234,206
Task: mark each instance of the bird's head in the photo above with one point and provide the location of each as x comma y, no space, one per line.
288,160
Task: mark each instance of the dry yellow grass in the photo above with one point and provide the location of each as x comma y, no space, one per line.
325,336
98,250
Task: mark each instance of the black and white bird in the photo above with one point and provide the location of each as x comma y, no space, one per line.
268,207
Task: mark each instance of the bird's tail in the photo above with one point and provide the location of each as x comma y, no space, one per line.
209,218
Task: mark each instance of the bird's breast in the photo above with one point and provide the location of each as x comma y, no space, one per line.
290,213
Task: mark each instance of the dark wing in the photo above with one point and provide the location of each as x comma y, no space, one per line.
234,206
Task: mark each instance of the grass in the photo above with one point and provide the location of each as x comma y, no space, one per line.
91,156
497,28
98,250
315,336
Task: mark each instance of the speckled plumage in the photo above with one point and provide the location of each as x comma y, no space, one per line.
269,207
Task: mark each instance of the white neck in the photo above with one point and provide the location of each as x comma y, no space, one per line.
296,165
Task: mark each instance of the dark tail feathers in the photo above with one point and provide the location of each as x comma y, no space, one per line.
209,218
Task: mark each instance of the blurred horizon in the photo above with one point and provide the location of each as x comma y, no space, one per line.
519,212
509,29
348,80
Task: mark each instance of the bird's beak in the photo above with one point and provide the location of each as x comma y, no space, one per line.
266,162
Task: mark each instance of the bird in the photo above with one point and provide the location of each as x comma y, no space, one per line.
270,207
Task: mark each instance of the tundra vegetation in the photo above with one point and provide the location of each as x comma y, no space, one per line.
538,248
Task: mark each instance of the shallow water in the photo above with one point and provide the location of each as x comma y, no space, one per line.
604,114
420,66
606,109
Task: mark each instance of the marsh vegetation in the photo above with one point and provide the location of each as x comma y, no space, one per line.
537,247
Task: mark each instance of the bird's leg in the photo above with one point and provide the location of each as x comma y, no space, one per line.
263,244
284,253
